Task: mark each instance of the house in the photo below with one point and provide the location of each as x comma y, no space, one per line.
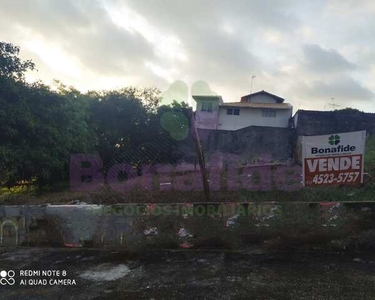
256,109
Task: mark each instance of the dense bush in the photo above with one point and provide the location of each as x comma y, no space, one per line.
370,156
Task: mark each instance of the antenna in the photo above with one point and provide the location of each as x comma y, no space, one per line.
252,79
333,103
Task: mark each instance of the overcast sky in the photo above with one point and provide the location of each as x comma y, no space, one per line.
307,52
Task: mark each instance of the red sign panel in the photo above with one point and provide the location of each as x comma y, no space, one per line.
324,171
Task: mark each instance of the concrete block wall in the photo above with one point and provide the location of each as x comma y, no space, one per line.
328,122
254,141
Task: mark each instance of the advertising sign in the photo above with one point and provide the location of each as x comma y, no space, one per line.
334,159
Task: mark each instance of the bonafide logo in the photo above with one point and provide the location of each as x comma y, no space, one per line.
251,178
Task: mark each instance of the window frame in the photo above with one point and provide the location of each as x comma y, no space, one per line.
269,113
207,107
233,111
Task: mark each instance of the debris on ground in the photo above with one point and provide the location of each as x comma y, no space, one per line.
151,231
106,272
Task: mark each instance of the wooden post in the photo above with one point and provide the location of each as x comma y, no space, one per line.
200,156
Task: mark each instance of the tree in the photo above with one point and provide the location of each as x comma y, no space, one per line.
10,64
119,119
40,127
174,119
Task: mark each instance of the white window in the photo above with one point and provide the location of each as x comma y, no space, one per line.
207,107
269,113
233,111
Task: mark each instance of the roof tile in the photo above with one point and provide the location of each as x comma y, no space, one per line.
257,105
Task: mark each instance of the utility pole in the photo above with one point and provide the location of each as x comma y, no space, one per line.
333,104
252,79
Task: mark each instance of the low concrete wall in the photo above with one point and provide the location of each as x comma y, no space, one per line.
137,226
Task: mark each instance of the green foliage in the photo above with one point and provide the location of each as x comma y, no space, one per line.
370,156
10,64
118,119
42,127
129,129
175,120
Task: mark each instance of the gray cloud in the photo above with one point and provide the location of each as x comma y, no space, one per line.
52,18
85,31
321,60
188,16
343,89
297,49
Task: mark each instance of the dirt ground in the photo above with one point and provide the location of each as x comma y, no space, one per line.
108,274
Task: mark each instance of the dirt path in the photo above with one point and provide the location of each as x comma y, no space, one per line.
106,274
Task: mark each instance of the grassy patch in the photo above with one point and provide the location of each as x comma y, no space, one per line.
370,157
